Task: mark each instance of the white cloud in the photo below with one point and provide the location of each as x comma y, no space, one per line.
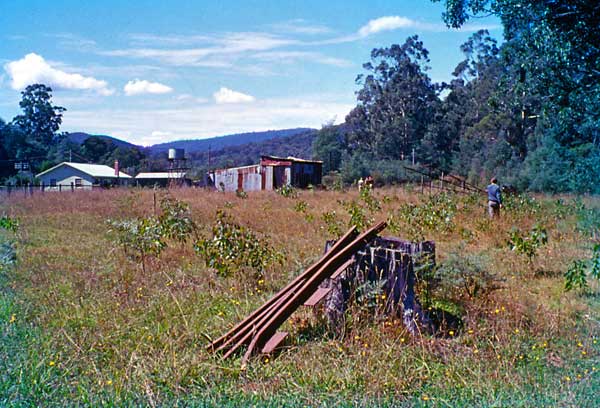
187,98
390,23
386,23
226,95
220,52
290,56
301,26
32,69
138,87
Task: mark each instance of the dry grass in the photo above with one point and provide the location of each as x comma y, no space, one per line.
105,331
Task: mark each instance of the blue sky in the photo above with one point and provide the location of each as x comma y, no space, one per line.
155,71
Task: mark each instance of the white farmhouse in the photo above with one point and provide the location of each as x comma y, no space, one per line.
67,175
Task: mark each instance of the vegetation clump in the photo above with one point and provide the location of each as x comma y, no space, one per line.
233,246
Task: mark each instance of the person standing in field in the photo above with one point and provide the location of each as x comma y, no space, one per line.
361,183
494,198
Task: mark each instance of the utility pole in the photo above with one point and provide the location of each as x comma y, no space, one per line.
413,156
70,155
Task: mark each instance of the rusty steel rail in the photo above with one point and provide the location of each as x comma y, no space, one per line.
250,321
270,326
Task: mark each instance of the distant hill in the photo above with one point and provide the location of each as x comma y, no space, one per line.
297,145
80,137
216,143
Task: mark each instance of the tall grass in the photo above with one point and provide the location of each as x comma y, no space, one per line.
92,328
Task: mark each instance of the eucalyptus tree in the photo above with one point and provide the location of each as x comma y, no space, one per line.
396,102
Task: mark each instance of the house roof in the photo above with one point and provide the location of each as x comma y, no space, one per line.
94,170
161,175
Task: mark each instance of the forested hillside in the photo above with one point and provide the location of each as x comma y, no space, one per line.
221,142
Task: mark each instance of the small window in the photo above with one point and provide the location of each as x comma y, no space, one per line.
78,182
53,182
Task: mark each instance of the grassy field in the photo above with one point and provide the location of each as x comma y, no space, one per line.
83,323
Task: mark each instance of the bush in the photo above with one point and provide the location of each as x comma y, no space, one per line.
140,237
436,214
175,220
9,224
576,274
287,191
233,246
528,244
467,274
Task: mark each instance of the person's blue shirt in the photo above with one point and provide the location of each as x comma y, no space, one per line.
493,191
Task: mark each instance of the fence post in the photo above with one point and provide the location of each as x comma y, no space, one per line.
442,181
421,184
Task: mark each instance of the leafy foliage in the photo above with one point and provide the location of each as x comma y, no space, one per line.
148,236
466,274
40,119
435,214
394,103
175,220
9,224
528,244
233,246
575,276
140,237
287,191
333,224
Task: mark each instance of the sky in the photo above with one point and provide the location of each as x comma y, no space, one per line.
156,71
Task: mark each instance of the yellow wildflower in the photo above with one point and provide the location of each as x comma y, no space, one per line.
13,319
51,363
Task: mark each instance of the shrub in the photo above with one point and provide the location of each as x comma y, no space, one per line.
287,191
301,206
333,224
467,274
175,220
528,244
140,238
576,274
232,246
9,224
522,204
436,214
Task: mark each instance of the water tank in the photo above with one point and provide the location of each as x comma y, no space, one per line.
176,154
